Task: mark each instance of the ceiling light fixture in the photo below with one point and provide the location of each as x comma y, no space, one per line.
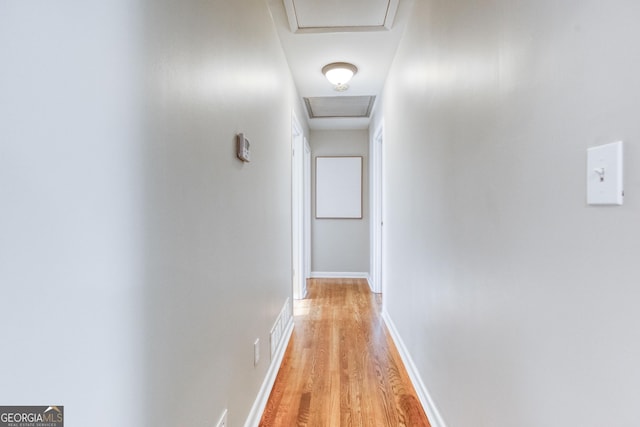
339,74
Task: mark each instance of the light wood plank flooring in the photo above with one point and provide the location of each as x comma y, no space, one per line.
341,367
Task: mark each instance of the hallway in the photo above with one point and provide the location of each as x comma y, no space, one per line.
341,367
142,259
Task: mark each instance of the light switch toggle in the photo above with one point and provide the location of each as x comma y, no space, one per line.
604,174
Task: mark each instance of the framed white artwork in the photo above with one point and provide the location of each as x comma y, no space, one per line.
339,187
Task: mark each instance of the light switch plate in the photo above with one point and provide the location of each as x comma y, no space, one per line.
605,174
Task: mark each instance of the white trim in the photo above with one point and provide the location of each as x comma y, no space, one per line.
338,275
391,14
370,283
297,208
343,275
435,419
307,212
291,15
253,420
375,203
292,18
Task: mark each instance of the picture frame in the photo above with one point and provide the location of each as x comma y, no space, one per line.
338,188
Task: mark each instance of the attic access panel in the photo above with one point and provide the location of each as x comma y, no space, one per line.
339,106
340,15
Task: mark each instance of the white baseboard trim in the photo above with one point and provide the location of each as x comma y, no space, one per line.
429,406
370,283
253,420
339,275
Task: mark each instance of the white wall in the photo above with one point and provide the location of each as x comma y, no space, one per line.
219,231
139,259
516,301
340,245
70,212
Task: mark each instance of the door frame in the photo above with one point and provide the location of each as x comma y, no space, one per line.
298,278
307,210
376,203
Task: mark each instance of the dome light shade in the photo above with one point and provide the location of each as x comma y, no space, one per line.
339,73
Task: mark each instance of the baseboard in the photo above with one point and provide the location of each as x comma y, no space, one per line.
370,283
339,275
253,420
423,393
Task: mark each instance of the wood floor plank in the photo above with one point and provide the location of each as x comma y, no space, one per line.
341,367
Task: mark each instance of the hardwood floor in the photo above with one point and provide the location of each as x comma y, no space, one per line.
341,367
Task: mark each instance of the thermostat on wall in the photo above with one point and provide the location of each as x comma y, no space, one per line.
243,148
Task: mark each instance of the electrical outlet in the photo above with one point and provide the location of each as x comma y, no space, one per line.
223,420
256,352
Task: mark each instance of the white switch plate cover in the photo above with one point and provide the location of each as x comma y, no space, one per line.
604,174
